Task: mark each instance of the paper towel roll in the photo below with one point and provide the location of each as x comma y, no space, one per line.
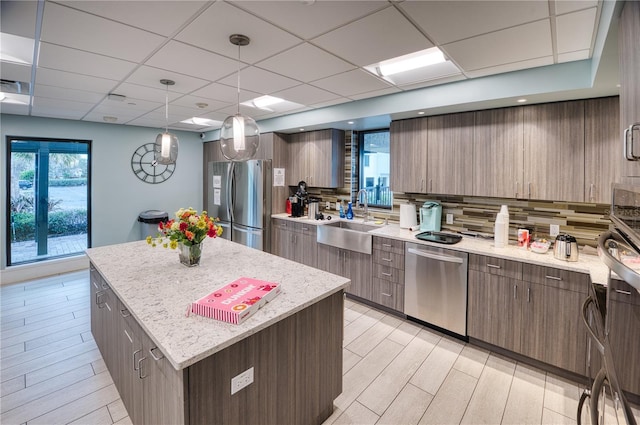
407,216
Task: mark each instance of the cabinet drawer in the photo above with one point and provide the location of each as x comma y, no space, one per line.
388,245
497,266
623,292
387,258
305,228
550,276
281,224
387,294
388,273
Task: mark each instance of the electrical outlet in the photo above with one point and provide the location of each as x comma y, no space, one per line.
449,218
337,206
327,205
242,380
554,230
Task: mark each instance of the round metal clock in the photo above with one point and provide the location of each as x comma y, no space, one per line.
146,168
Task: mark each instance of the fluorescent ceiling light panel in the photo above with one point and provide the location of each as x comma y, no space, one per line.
409,62
16,99
263,102
16,49
202,121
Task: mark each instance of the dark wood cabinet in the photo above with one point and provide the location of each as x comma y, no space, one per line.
294,241
317,157
350,264
408,155
629,54
387,288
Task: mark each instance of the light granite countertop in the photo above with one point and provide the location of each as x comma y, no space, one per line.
587,263
158,290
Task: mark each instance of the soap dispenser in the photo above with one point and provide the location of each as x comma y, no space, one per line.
349,212
341,210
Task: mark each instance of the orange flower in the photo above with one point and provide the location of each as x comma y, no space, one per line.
188,234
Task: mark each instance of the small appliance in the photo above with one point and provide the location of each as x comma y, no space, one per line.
313,210
430,216
565,248
298,201
408,216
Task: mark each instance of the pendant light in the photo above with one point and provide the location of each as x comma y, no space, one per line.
239,135
166,146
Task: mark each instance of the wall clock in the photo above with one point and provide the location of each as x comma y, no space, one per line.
146,168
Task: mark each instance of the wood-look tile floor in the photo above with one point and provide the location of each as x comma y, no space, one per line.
395,371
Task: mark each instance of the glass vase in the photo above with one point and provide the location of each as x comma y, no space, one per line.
190,254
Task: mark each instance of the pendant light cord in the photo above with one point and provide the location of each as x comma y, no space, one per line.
238,79
166,111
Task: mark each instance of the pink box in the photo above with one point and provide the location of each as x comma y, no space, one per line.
236,301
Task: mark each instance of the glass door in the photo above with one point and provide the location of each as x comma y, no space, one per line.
49,208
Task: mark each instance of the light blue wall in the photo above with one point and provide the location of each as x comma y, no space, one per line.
117,195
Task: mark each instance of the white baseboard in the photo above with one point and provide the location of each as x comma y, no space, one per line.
42,269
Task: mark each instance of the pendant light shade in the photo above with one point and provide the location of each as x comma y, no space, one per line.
166,145
239,135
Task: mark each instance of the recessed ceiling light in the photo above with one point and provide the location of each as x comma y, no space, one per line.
202,105
522,100
618,85
201,121
263,102
421,113
302,129
415,60
108,118
350,122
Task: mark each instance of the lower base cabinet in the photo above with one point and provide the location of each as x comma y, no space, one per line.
350,264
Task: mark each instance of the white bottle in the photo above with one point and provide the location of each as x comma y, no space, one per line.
505,213
498,233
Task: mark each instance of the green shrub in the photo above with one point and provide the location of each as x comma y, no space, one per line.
61,223
27,175
68,182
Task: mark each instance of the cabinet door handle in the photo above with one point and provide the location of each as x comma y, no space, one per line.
128,336
385,294
140,368
125,313
99,302
95,285
386,245
386,274
529,294
515,292
516,194
430,185
421,185
493,266
386,259
628,142
305,229
135,362
529,190
591,192
553,277
620,291
156,358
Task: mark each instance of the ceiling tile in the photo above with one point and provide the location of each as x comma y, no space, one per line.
191,101
68,27
566,6
18,17
15,72
370,39
430,83
225,93
448,21
310,20
502,47
76,61
375,93
573,56
189,60
43,91
575,31
211,31
53,77
332,102
65,108
305,94
152,94
10,108
305,63
351,83
515,66
150,77
429,73
164,18
259,80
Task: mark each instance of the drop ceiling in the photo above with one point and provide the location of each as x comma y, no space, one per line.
310,53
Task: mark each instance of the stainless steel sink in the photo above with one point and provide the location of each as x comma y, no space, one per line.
347,235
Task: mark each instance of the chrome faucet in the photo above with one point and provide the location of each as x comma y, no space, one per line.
366,203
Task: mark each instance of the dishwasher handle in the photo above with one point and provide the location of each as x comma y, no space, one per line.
447,258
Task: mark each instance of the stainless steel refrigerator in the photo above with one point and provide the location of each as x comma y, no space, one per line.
240,195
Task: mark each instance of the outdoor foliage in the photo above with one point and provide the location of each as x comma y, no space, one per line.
25,204
27,175
61,223
68,182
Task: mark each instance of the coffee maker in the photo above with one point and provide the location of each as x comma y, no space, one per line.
299,199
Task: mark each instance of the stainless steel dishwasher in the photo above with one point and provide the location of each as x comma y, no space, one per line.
435,283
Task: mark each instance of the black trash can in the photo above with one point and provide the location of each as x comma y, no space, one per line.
149,222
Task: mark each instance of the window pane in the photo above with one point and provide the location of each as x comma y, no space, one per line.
375,167
49,199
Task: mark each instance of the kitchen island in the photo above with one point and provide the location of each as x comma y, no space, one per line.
173,367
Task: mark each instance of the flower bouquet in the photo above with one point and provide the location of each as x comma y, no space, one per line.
186,232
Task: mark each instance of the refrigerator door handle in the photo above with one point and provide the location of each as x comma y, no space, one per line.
230,190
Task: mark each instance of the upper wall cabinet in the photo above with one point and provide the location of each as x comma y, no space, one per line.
450,144
629,53
317,157
498,153
601,148
408,151
554,151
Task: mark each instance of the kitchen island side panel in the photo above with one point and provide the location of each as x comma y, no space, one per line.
297,372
